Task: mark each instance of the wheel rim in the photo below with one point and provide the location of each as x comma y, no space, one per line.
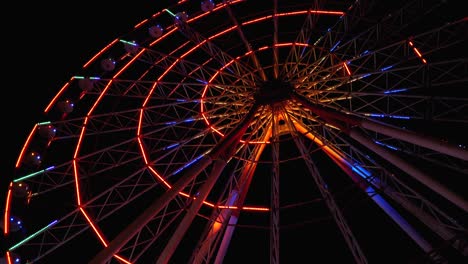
154,107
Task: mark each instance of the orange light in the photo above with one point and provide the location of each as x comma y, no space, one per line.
140,24
61,91
222,32
99,53
77,185
184,194
251,208
28,140
161,179
122,259
347,69
8,258
418,53
98,233
257,20
6,216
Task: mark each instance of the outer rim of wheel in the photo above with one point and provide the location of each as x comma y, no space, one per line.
145,144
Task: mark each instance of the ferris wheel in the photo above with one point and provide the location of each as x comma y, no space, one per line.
226,131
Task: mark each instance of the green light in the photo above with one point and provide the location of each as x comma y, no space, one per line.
32,174
128,42
170,13
44,123
92,78
32,236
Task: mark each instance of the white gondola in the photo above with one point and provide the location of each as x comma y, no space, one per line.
207,5
66,106
155,31
47,131
108,64
131,47
86,84
180,18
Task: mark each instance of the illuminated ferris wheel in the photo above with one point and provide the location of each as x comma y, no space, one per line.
225,131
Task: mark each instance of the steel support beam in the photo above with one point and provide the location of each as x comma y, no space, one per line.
335,211
414,138
150,212
377,198
247,176
351,122
171,246
437,227
223,150
335,117
410,169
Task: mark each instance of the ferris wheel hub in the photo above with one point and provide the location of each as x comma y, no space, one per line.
273,91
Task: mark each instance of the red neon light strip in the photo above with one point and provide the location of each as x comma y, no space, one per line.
146,100
161,179
417,52
347,69
294,13
83,128
56,97
77,185
250,208
214,10
6,216
75,164
140,24
122,259
8,258
98,233
23,150
99,53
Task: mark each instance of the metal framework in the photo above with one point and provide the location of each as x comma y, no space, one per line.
237,131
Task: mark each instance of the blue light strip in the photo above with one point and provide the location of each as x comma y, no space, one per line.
386,145
361,171
395,91
188,164
171,146
389,116
388,208
304,48
364,53
336,45
365,75
386,68
399,117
